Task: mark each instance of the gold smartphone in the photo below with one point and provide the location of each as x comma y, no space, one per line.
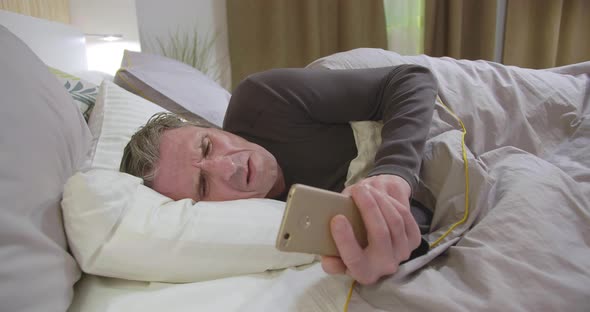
306,222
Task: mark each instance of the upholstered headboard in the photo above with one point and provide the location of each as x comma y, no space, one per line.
58,45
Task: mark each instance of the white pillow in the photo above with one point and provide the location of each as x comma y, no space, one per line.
116,116
118,227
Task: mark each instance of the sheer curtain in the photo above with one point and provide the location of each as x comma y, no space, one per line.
405,26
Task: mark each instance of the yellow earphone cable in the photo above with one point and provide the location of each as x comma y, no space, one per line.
349,296
465,214
466,167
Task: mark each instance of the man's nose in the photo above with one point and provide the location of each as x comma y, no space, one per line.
222,167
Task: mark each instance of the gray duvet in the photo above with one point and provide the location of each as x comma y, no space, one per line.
525,244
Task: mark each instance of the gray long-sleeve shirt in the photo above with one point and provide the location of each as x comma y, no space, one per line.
302,117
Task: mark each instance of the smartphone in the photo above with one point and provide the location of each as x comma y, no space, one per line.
306,222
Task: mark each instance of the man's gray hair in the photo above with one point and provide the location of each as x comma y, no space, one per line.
143,150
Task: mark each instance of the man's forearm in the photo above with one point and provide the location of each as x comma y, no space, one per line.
408,104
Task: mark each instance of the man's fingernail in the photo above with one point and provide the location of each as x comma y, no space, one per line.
339,223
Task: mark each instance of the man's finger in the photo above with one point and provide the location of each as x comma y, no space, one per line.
410,225
396,224
346,191
350,251
377,230
333,265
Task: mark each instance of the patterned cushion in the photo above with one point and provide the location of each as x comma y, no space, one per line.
83,92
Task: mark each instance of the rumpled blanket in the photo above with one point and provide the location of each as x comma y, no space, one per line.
525,245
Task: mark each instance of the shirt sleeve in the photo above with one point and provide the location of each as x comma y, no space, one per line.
407,106
401,96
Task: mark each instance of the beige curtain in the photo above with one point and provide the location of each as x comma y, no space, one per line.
547,33
460,28
54,10
536,33
266,34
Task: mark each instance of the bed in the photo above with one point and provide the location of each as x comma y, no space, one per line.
506,170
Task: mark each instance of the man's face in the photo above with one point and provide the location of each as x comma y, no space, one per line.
213,165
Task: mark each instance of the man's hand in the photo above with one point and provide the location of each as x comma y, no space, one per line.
392,232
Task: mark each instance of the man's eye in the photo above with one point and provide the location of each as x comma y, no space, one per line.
207,145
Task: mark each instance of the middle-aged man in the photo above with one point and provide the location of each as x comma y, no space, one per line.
287,126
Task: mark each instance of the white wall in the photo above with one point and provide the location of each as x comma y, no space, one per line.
106,17
159,19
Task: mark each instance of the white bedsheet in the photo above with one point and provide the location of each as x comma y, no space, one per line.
524,247
306,288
